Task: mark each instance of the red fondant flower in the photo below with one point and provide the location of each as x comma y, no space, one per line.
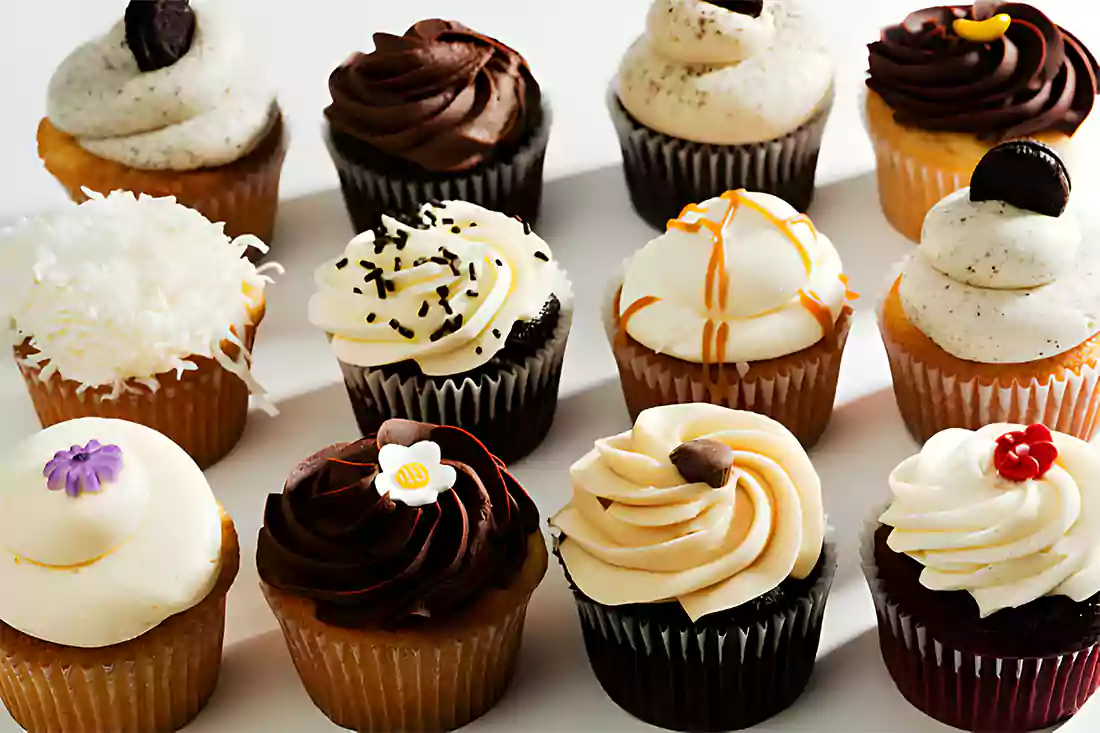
1025,454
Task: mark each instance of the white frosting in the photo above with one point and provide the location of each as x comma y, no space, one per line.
1006,543
121,289
993,283
770,255
102,568
710,75
636,532
514,277
205,110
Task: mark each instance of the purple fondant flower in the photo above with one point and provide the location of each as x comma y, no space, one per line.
83,469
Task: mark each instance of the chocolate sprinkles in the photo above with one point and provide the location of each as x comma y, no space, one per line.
342,263
370,318
396,326
423,309
357,291
542,256
473,273
367,265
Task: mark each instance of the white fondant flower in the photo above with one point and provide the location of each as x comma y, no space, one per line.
413,475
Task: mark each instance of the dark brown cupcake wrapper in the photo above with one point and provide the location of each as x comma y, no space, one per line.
705,678
512,187
972,691
665,173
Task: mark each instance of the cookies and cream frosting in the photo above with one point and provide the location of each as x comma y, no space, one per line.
638,531
1006,541
707,74
443,291
119,290
107,528
206,109
739,278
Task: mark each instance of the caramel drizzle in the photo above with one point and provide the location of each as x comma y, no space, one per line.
633,309
849,294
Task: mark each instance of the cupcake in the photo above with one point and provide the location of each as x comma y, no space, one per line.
400,568
994,317
442,112
139,309
166,104
456,317
950,83
718,96
115,560
741,303
985,572
694,544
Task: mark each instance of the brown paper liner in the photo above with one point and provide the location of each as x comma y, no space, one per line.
797,390
436,678
243,194
204,411
157,682
936,390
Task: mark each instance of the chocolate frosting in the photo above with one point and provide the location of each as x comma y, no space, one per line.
366,560
1037,78
442,96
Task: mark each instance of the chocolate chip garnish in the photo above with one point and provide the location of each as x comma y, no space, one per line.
751,8
159,32
704,461
1025,174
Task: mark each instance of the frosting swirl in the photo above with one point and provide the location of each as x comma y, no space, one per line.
1005,542
637,532
993,283
739,278
442,96
711,75
1035,78
446,291
204,110
144,545
334,537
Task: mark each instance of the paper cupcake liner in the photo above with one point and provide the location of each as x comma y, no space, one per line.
380,681
797,390
243,194
932,398
664,173
157,682
702,677
204,411
512,187
509,409
973,691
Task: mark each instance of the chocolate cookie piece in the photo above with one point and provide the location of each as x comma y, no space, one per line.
752,8
159,32
1025,174
704,461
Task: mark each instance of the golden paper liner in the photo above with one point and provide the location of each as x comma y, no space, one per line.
435,678
243,194
204,411
157,682
797,390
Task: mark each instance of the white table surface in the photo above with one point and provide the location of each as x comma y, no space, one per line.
574,47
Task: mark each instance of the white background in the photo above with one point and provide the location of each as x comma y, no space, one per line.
574,47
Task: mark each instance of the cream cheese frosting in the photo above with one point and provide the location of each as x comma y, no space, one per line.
102,566
444,292
711,75
205,110
636,531
740,278
121,289
1005,542
993,283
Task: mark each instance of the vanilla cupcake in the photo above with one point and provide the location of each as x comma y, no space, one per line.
139,309
168,103
720,96
115,560
995,317
742,303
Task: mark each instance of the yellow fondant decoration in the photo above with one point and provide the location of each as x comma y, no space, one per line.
983,31
412,476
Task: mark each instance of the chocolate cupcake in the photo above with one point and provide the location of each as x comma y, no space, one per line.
442,112
717,96
690,622
400,569
457,317
984,576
